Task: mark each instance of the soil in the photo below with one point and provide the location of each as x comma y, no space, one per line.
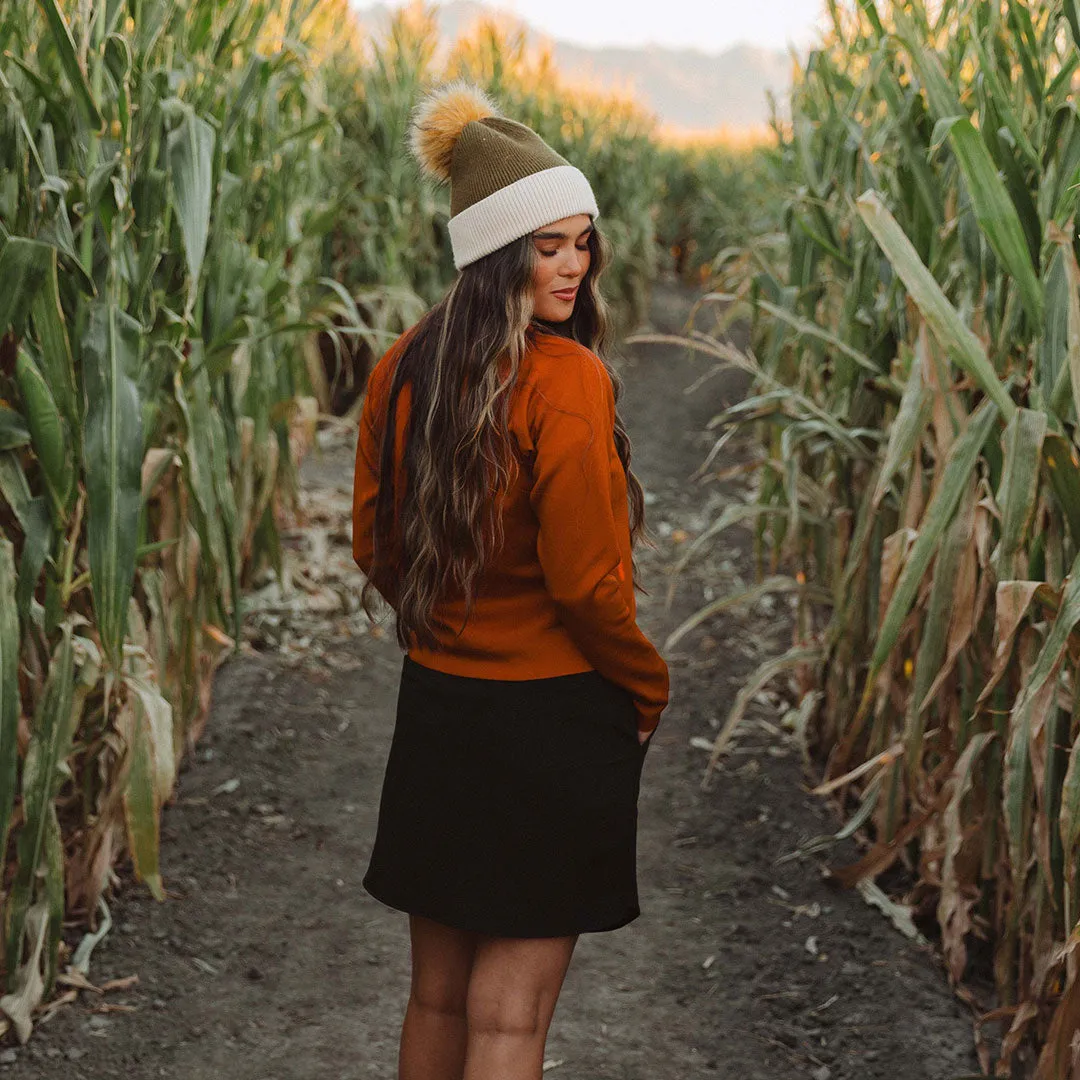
268,961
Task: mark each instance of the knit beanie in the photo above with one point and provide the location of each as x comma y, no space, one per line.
505,181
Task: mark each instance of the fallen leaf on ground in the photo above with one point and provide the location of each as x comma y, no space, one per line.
69,997
78,980
28,985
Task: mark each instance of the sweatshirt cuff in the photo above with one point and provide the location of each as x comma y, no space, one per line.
648,717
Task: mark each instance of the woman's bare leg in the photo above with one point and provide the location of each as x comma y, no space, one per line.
513,989
434,1033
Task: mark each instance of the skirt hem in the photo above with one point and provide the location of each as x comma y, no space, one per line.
476,926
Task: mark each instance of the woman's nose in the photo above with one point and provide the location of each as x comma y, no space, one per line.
574,265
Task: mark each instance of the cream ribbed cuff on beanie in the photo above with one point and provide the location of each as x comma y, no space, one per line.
518,209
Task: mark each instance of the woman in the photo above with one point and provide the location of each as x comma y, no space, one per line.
494,509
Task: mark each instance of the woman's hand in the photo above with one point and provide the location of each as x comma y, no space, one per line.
644,736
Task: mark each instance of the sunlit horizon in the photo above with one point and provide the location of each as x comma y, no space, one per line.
678,24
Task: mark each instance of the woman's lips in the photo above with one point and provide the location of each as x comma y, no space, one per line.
566,294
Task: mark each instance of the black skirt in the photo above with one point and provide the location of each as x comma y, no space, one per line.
509,807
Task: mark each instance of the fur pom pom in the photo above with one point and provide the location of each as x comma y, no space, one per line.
438,121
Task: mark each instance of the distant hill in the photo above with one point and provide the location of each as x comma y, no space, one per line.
688,89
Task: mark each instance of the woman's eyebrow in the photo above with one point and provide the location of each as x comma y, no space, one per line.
551,235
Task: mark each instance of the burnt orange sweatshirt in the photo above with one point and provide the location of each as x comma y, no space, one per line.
558,598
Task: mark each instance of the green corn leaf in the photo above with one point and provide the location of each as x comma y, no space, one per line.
905,430
870,9
9,692
226,499
810,329
1054,376
199,457
962,344
141,803
191,158
37,543
50,440
957,472
69,59
14,487
935,629
254,76
988,71
1062,470
1027,50
113,454
1056,743
940,93
1017,493
1063,239
1036,699
53,865
910,140
995,212
1069,824
13,429
56,360
24,266
50,741
1072,13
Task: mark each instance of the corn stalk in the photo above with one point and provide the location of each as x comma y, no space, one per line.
162,204
915,365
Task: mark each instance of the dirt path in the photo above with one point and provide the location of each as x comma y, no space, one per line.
269,962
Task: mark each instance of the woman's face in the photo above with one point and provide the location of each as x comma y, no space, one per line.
562,260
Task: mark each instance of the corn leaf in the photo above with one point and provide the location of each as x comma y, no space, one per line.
56,360
27,983
191,155
1069,824
1016,495
10,706
963,346
141,802
50,439
995,212
957,899
113,454
935,628
1025,760
955,478
65,47
904,432
1062,469
1072,13
24,266
13,430
49,743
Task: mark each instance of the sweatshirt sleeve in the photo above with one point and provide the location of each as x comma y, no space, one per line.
582,538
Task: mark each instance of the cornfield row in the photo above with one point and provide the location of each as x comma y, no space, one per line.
915,361
208,222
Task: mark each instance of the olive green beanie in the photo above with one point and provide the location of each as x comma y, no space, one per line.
505,181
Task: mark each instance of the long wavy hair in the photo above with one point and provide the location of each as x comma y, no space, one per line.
461,361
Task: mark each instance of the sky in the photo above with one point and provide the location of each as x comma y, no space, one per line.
710,25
